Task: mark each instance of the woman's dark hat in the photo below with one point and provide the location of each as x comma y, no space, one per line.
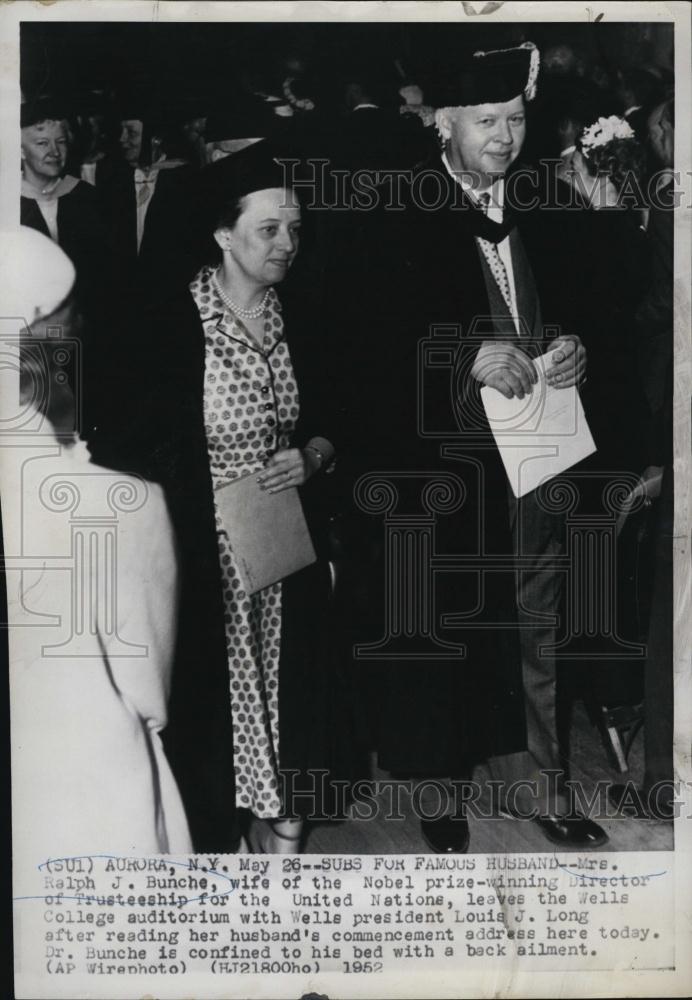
493,78
42,109
254,168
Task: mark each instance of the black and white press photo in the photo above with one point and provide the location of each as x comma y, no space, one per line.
344,460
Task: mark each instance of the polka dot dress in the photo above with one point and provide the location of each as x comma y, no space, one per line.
250,410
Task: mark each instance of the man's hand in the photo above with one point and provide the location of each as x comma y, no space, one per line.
504,367
568,365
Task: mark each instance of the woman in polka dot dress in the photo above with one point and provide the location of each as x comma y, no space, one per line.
232,378
251,409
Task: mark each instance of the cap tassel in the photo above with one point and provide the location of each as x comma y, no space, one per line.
534,65
441,120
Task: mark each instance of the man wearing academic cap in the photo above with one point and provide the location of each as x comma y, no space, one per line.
456,261
482,129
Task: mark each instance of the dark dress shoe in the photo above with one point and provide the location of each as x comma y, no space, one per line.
447,835
572,831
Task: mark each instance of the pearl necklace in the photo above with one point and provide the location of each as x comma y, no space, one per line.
47,190
238,310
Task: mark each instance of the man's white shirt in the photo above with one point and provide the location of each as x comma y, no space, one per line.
495,214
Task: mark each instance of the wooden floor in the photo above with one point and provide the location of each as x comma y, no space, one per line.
589,765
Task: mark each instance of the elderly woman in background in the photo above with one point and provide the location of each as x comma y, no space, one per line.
56,204
53,202
235,387
68,211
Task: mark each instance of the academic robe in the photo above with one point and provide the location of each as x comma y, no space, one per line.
162,257
411,411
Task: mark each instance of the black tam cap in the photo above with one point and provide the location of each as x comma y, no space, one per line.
42,109
256,168
494,78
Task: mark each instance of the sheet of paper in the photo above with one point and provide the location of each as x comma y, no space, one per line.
542,434
267,531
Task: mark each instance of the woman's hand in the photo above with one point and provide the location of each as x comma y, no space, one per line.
286,468
294,466
568,362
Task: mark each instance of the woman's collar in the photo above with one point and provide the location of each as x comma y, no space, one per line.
207,298
64,186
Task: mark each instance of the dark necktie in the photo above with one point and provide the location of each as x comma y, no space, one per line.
493,259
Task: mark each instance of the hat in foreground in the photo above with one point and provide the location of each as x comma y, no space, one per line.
36,276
